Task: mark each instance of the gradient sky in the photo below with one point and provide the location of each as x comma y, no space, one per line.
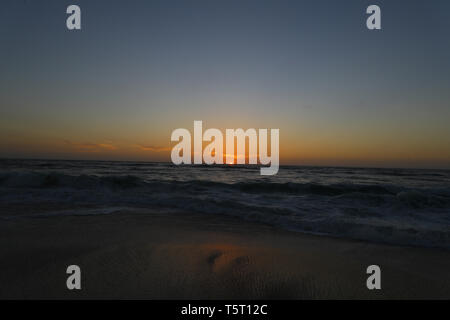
339,93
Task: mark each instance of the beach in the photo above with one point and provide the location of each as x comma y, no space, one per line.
145,230
149,255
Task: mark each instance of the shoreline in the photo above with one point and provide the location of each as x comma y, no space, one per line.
197,256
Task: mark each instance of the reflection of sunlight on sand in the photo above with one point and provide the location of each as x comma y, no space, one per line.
132,256
231,270
222,256
218,256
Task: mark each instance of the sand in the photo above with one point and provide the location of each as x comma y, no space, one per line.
190,256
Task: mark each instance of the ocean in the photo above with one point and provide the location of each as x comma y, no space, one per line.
396,206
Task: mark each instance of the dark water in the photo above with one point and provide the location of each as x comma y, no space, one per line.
399,206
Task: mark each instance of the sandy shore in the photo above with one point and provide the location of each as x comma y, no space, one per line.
187,256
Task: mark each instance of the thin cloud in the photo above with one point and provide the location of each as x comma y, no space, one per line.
152,148
91,146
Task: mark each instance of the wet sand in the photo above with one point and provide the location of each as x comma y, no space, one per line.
189,256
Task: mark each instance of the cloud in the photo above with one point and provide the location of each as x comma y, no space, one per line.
91,146
152,148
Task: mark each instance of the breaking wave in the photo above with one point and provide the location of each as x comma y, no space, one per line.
401,207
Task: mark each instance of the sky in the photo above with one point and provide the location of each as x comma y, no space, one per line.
340,94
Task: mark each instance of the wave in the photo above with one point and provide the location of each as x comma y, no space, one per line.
54,180
392,213
434,197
